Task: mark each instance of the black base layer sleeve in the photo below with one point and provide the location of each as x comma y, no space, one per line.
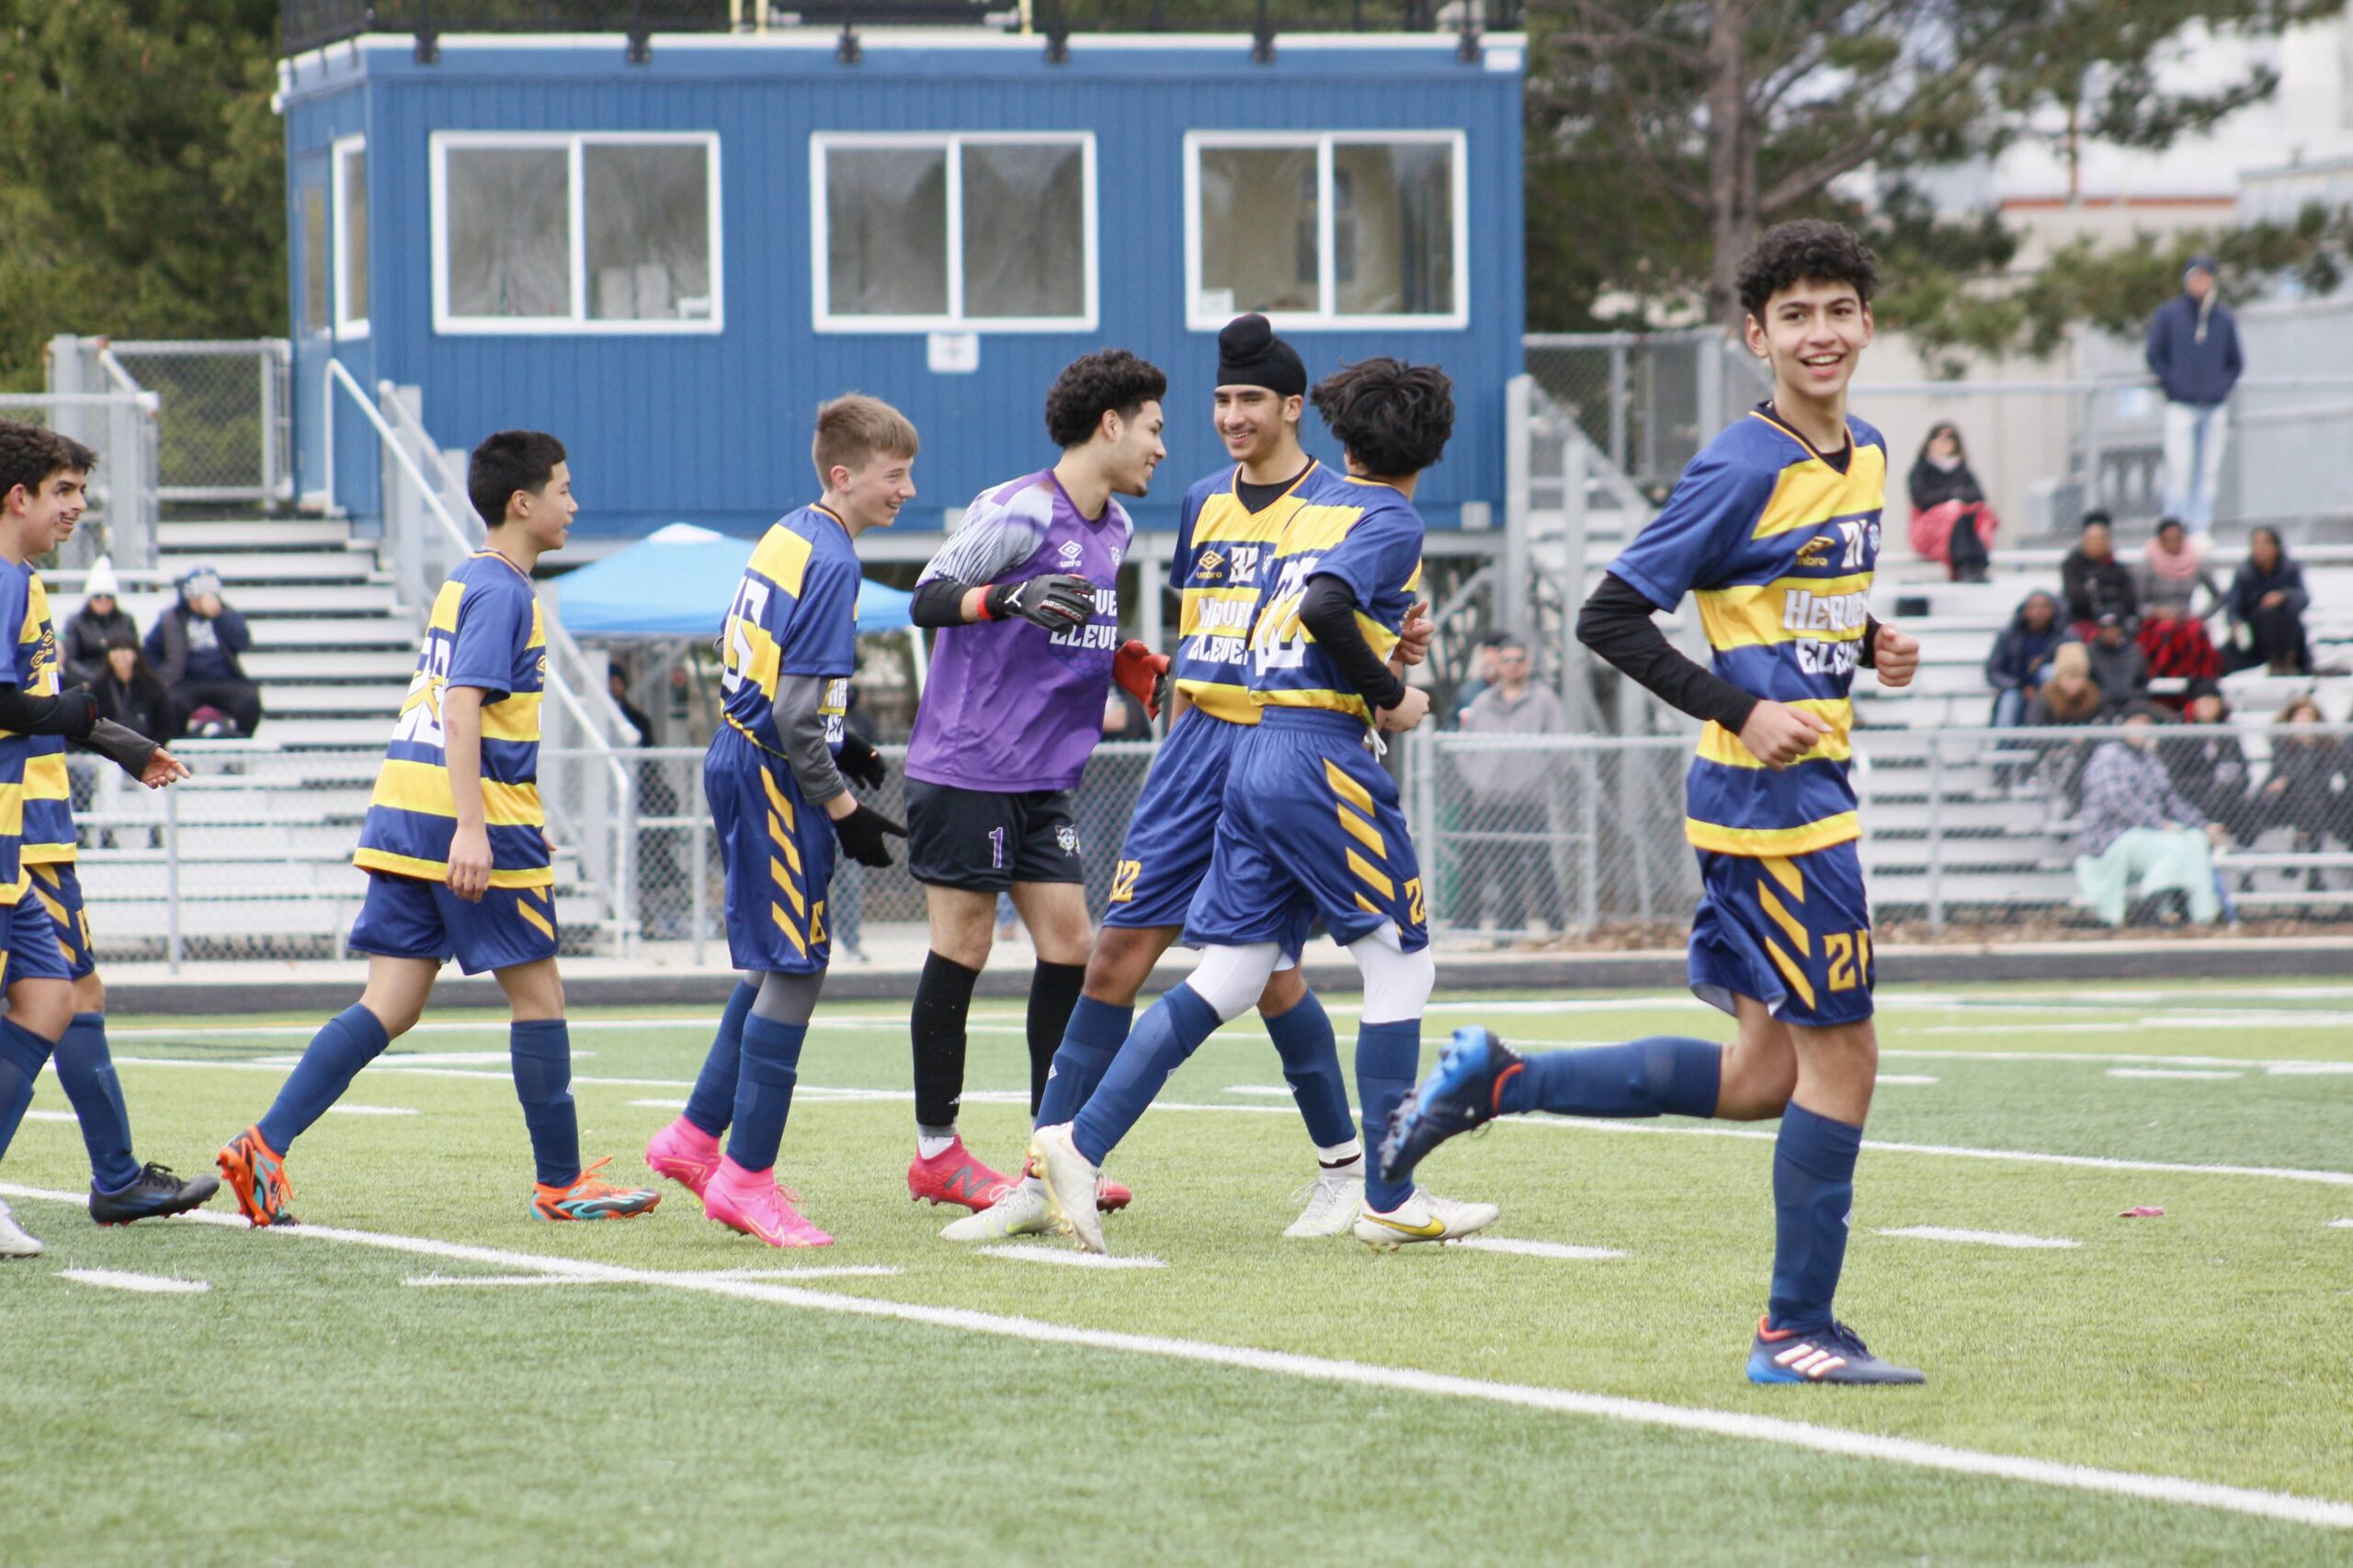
943,997
71,712
1328,611
121,744
1616,624
940,602
1053,993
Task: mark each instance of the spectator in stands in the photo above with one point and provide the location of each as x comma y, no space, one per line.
193,647
2093,582
2021,658
1485,664
2069,696
2210,770
1951,521
1508,861
2194,352
2139,835
130,693
2267,602
94,627
2118,668
2306,790
2173,629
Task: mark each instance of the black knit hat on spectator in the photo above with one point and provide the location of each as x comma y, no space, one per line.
1250,355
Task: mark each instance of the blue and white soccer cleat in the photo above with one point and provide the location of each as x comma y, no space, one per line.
1834,1355
1458,1095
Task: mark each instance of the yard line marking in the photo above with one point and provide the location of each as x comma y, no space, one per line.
869,1270
2269,1064
372,1110
51,1116
2345,1224
1906,1078
661,1105
2181,1489
1538,1249
2117,1027
1272,1091
1071,1256
2304,1069
2173,1072
1981,1238
148,1284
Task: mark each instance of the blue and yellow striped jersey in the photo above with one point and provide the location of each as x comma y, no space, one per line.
1778,545
25,608
795,612
48,811
485,631
1224,557
1370,537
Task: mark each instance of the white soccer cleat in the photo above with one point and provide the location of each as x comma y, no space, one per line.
1424,1217
1021,1213
1333,1204
14,1243
1071,1182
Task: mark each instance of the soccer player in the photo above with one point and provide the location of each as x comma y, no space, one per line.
43,480
457,854
778,803
1775,529
1227,531
1311,824
1025,598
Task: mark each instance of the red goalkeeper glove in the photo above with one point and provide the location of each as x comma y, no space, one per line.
1144,673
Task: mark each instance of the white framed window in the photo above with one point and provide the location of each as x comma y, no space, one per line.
349,179
1343,229
593,233
950,231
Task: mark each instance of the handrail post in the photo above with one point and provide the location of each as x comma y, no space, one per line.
1936,835
172,878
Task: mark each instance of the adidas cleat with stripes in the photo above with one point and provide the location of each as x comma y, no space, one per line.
1834,1355
1459,1094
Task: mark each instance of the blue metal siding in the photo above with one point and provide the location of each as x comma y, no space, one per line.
713,428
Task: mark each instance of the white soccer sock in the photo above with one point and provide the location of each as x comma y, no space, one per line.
931,1145
1341,1159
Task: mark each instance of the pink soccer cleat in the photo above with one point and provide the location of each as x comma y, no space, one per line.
685,1153
953,1175
750,1201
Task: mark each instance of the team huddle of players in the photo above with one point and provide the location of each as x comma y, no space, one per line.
1267,810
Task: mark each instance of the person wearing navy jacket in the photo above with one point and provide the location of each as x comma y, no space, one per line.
2194,352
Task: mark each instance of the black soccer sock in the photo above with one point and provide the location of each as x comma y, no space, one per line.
943,996
1053,991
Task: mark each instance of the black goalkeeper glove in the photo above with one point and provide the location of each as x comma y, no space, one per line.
860,761
1057,602
862,833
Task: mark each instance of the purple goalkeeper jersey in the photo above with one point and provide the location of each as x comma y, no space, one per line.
1009,706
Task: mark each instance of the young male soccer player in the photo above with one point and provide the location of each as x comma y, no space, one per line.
1226,535
1311,824
1775,529
1026,600
44,943
789,645
456,852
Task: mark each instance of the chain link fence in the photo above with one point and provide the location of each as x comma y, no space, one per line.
116,420
1647,400
221,414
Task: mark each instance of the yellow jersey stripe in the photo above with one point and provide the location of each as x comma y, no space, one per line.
515,719
445,608
1369,906
1780,914
1195,618
439,871
1718,745
1791,972
1363,832
533,917
1758,614
783,879
783,559
1372,875
45,778
778,803
424,788
1318,528
1764,841
1785,872
1348,788
1220,700
792,932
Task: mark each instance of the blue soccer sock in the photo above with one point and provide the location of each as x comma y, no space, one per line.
85,1072
1302,1036
1813,1194
763,1090
22,1052
1388,1055
539,1050
1170,1030
1093,1039
351,1039
1664,1075
714,1099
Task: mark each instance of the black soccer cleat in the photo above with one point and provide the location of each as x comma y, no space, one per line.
1457,1096
1834,1355
154,1193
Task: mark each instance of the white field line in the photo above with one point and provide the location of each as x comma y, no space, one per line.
2277,1065
1070,1257
2120,1026
2175,1490
147,1284
1269,1091
372,1110
1981,1238
2345,1224
1538,1249
867,1270
51,1116
2203,1072
1905,1078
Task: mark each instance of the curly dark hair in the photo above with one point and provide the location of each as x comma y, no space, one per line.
1392,417
30,453
506,461
1111,381
1789,254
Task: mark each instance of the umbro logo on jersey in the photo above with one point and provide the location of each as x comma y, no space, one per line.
1210,565
1816,551
1072,551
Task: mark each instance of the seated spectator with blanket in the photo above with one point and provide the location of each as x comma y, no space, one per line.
2173,628
193,647
2139,837
1951,521
2020,661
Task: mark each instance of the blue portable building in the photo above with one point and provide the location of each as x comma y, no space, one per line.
669,248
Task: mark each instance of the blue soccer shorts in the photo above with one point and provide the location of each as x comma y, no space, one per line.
1310,827
1795,933
778,853
28,945
58,890
1173,835
408,917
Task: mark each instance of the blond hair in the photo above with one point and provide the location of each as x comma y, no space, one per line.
2070,661
854,427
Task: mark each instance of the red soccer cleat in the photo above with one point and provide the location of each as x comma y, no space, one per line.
952,1176
1110,1194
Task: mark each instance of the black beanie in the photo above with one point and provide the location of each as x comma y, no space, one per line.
1250,355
